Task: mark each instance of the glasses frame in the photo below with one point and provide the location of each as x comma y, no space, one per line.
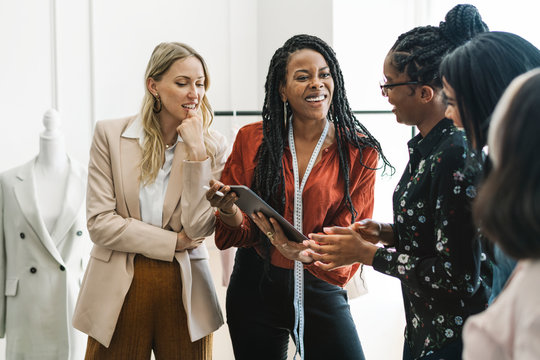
385,87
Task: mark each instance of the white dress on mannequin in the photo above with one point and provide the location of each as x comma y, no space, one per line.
44,248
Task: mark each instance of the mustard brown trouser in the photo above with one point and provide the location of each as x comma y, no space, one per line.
152,318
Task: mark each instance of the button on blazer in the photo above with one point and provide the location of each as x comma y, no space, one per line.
41,272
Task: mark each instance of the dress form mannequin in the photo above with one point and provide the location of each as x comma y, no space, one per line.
51,170
44,249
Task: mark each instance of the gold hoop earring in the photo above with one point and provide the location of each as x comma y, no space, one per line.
156,107
285,114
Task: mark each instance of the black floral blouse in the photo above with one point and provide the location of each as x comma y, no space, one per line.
437,255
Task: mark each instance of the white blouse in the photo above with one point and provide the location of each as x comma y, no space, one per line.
152,196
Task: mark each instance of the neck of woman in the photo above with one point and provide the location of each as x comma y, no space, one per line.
433,114
308,130
168,130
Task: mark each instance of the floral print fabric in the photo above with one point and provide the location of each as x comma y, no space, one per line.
437,255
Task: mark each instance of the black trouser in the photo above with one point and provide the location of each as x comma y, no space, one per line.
260,314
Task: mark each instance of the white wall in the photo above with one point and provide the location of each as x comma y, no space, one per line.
25,73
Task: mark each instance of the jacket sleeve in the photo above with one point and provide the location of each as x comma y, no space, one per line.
453,267
198,218
480,344
235,173
106,227
362,188
2,265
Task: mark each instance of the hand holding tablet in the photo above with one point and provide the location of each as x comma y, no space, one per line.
250,203
218,193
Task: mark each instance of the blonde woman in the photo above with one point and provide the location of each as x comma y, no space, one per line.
148,286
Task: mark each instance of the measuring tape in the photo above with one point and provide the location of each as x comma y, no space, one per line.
298,330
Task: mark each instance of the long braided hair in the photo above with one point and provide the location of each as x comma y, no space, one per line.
419,52
268,180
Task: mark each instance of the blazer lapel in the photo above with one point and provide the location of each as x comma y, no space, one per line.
25,192
174,188
130,157
73,200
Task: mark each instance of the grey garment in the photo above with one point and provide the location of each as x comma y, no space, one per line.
502,267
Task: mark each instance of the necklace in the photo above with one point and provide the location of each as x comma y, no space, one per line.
167,146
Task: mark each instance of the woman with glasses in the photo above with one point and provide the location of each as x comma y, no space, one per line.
493,59
431,246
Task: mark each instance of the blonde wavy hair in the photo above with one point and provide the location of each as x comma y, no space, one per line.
153,152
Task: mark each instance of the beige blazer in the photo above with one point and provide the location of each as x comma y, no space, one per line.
118,234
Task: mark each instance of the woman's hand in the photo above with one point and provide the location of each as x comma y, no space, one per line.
339,246
230,214
374,231
226,202
183,242
289,249
191,131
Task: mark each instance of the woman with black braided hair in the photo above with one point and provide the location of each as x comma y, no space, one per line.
314,163
431,246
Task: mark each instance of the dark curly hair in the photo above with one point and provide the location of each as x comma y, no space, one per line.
268,177
419,52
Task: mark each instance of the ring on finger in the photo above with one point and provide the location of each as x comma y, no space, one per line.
270,235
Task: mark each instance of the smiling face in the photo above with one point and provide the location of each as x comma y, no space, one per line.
308,85
452,110
181,88
403,98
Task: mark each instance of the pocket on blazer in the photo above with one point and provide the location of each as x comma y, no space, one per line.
11,287
101,253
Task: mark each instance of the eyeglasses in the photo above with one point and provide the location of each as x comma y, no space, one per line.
384,86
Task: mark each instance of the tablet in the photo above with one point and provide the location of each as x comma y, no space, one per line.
250,202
